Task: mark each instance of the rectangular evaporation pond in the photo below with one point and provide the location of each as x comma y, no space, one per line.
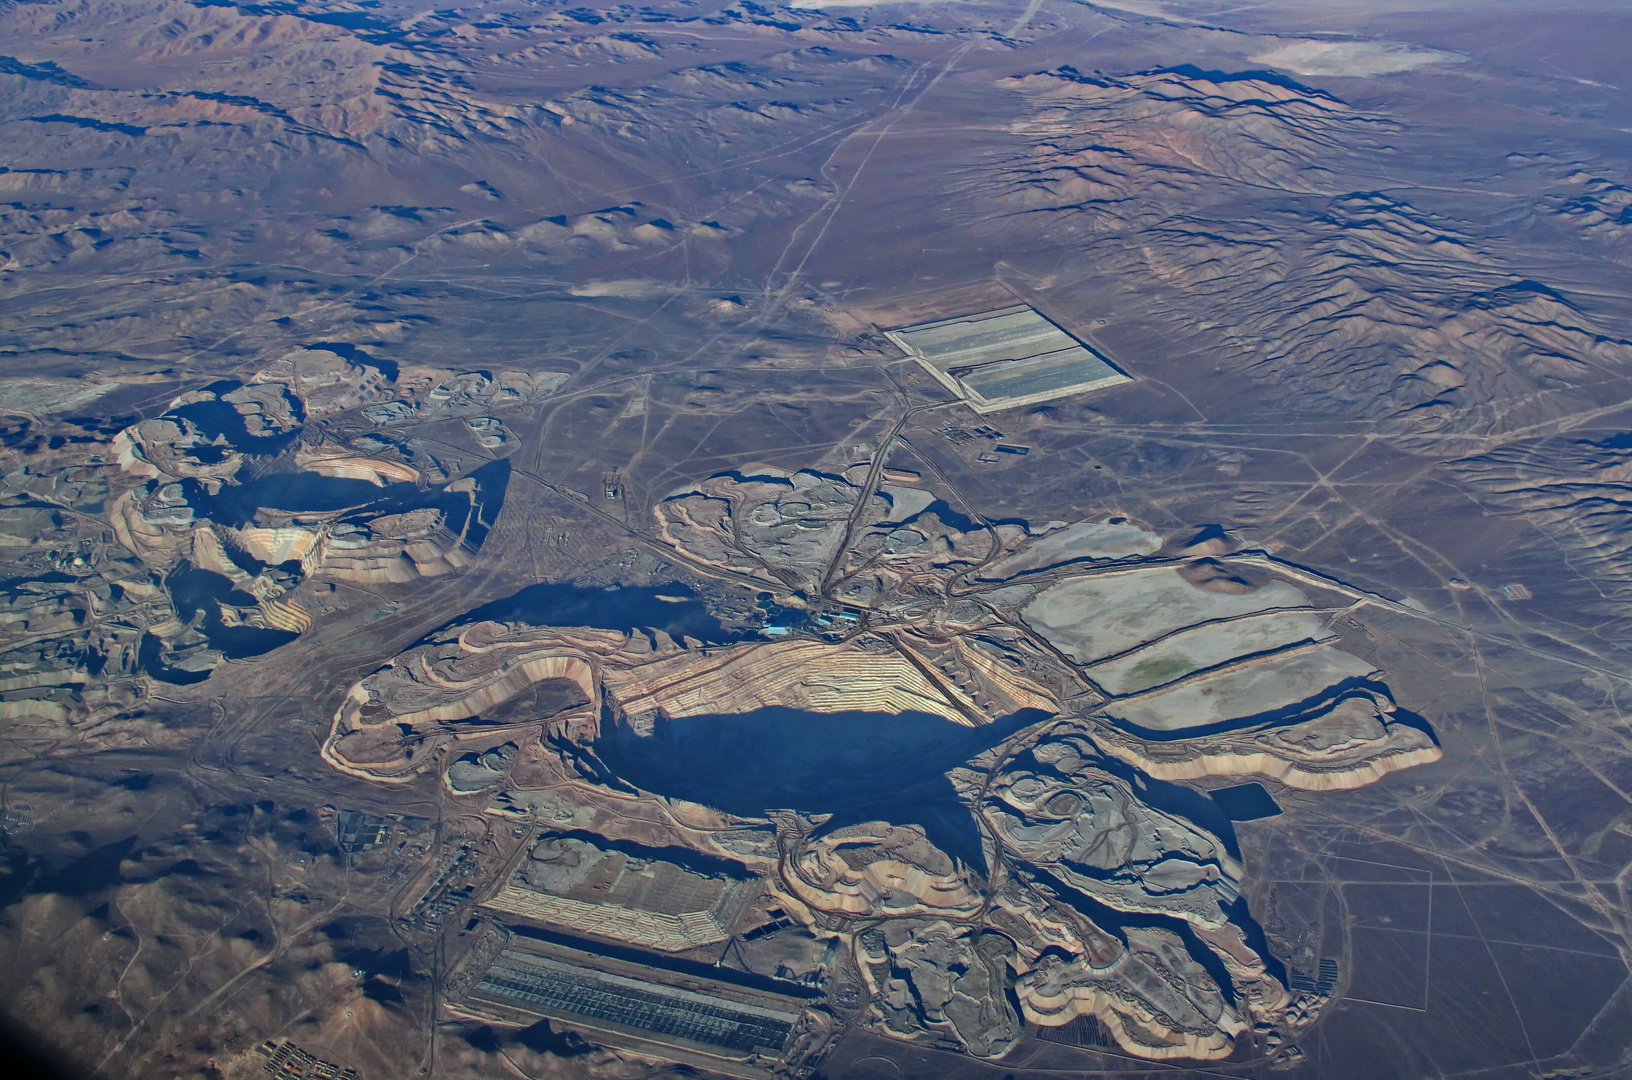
566,991
1006,358
1246,802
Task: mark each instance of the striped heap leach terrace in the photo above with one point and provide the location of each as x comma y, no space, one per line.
650,1007
704,1022
1007,358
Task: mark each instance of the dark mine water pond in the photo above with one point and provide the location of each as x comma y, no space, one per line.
240,642
193,590
857,766
618,608
309,493
218,419
1246,802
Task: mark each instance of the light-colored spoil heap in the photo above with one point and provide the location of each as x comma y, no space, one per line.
1084,541
1358,741
877,870
324,381
424,393
1212,674
783,527
786,528
1057,807
809,675
939,977
625,893
391,724
1154,998
1072,826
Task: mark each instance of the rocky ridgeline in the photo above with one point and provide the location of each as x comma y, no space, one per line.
1255,195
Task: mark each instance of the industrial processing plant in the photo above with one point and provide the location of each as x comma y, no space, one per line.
1006,358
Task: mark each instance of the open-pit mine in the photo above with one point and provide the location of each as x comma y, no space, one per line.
1030,690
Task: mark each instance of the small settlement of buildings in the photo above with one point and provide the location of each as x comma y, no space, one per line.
287,1061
